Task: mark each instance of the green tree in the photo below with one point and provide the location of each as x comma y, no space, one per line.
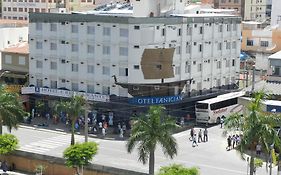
80,154
8,143
177,169
150,129
11,110
73,108
256,127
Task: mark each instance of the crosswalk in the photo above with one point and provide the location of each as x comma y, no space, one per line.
48,144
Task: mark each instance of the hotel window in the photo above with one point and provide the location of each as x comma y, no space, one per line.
123,71
106,31
233,44
9,9
53,84
218,64
74,86
178,50
228,28
250,42
177,70
227,45
220,28
91,30
39,45
20,9
53,27
53,65
74,47
188,47
219,46
106,50
179,32
200,47
199,67
91,69
105,90
38,25
43,10
39,82
31,10
105,70
4,9
136,67
39,64
136,27
201,30
124,33
74,28
91,49
53,46
90,88
123,51
74,67
233,62
8,59
37,10
21,60
264,43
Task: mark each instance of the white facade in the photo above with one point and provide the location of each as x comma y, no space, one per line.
83,54
11,35
257,10
276,13
19,9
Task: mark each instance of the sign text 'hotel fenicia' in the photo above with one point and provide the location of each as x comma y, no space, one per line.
155,100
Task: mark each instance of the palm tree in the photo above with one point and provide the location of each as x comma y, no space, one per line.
150,129
11,110
73,108
256,126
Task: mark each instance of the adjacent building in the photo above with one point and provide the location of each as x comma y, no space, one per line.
258,10
237,5
260,42
133,56
15,61
276,13
19,9
12,32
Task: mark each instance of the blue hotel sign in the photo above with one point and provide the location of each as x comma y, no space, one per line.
155,100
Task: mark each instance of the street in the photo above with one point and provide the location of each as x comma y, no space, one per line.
211,157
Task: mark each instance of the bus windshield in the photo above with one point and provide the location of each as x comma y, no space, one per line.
202,105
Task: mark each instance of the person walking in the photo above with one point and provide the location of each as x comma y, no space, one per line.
205,135
258,149
200,136
194,143
221,121
228,143
192,132
233,139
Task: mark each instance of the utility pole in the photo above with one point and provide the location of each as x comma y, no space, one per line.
253,79
86,131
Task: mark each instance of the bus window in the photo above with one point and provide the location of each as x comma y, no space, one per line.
223,104
202,105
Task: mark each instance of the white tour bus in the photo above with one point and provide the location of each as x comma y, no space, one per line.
212,110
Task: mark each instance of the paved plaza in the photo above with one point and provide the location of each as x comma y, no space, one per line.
211,157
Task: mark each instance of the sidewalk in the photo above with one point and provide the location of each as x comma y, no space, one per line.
62,128
11,173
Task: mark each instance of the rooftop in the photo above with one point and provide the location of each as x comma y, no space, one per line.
276,56
13,23
268,87
21,48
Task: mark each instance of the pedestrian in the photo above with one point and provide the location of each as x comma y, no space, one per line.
237,138
4,166
205,135
121,133
124,128
221,121
200,136
233,139
103,132
258,149
100,126
192,132
228,143
194,140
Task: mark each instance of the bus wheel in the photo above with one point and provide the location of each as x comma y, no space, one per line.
218,120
